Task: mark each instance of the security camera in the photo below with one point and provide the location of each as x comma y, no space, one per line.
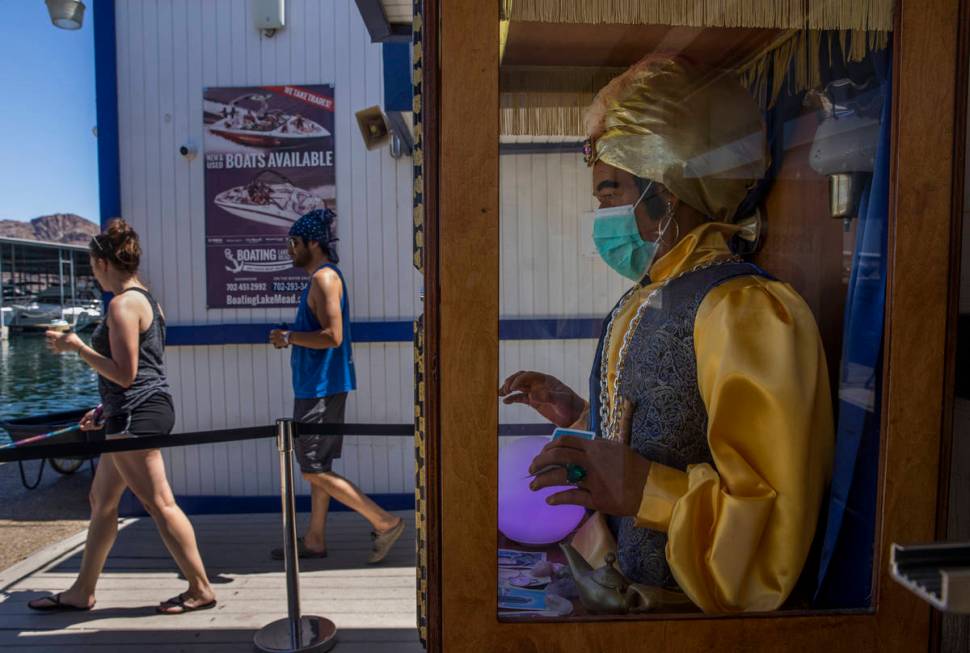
188,151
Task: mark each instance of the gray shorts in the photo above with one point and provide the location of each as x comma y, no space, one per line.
316,453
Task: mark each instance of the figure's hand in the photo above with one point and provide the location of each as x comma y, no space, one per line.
553,399
63,342
615,473
277,338
89,421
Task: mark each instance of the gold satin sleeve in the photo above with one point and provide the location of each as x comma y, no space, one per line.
739,532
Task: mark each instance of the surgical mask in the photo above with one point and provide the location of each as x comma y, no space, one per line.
618,240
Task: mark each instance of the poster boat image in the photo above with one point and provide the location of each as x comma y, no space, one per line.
213,111
262,127
279,204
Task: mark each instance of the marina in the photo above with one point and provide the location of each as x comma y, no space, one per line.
46,285
34,381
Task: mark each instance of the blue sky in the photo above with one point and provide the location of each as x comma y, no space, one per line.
48,156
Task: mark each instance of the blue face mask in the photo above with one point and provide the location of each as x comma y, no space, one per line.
618,240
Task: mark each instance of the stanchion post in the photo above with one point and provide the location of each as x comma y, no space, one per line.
291,554
296,633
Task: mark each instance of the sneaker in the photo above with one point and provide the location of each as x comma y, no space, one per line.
382,543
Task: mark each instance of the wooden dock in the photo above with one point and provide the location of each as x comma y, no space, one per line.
373,606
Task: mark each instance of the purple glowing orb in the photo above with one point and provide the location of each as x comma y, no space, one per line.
523,515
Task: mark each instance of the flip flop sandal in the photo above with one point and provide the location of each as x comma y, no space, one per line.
55,605
303,552
179,602
382,543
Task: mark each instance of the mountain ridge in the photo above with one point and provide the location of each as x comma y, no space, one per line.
67,228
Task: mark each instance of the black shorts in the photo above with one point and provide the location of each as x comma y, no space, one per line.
154,416
316,453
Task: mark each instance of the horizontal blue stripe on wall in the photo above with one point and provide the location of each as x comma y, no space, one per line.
373,332
549,329
252,334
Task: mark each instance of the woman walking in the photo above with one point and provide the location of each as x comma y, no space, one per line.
127,353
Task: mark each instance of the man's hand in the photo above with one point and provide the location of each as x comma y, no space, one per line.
278,338
546,394
615,474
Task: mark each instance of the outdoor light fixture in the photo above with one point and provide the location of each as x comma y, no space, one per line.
66,14
269,16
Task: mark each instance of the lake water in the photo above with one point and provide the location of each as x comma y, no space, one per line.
35,381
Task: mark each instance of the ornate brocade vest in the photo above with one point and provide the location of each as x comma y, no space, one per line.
669,424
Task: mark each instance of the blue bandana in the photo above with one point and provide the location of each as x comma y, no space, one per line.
316,225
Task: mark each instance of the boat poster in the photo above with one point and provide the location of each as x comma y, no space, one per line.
269,158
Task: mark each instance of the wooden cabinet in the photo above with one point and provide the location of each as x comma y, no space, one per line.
460,128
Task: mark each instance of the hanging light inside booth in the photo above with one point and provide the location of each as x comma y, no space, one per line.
845,142
66,14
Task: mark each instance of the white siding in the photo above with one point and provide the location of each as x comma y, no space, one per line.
168,51
261,378
548,266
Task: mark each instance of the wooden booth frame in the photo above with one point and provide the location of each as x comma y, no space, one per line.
459,257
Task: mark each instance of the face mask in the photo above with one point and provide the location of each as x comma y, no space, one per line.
619,243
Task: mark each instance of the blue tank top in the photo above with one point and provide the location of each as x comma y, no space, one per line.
323,372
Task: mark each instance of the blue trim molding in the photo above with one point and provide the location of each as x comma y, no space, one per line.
258,334
106,97
397,76
550,329
381,332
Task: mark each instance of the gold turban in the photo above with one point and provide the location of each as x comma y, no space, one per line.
699,133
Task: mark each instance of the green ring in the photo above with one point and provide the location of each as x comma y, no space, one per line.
575,474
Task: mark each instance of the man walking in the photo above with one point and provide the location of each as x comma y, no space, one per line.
323,375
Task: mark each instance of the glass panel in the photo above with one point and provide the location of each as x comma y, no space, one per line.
693,229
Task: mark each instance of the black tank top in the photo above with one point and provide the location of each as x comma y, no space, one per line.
150,376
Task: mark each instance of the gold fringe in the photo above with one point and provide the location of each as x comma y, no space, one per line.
800,52
505,10
865,15
549,101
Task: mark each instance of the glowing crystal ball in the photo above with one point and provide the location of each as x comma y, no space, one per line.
523,515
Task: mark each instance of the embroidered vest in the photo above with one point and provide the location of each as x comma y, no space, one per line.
669,424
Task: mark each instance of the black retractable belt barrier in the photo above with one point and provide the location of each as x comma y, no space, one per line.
67,450
304,428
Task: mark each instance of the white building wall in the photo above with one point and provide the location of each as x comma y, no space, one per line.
549,267
168,52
